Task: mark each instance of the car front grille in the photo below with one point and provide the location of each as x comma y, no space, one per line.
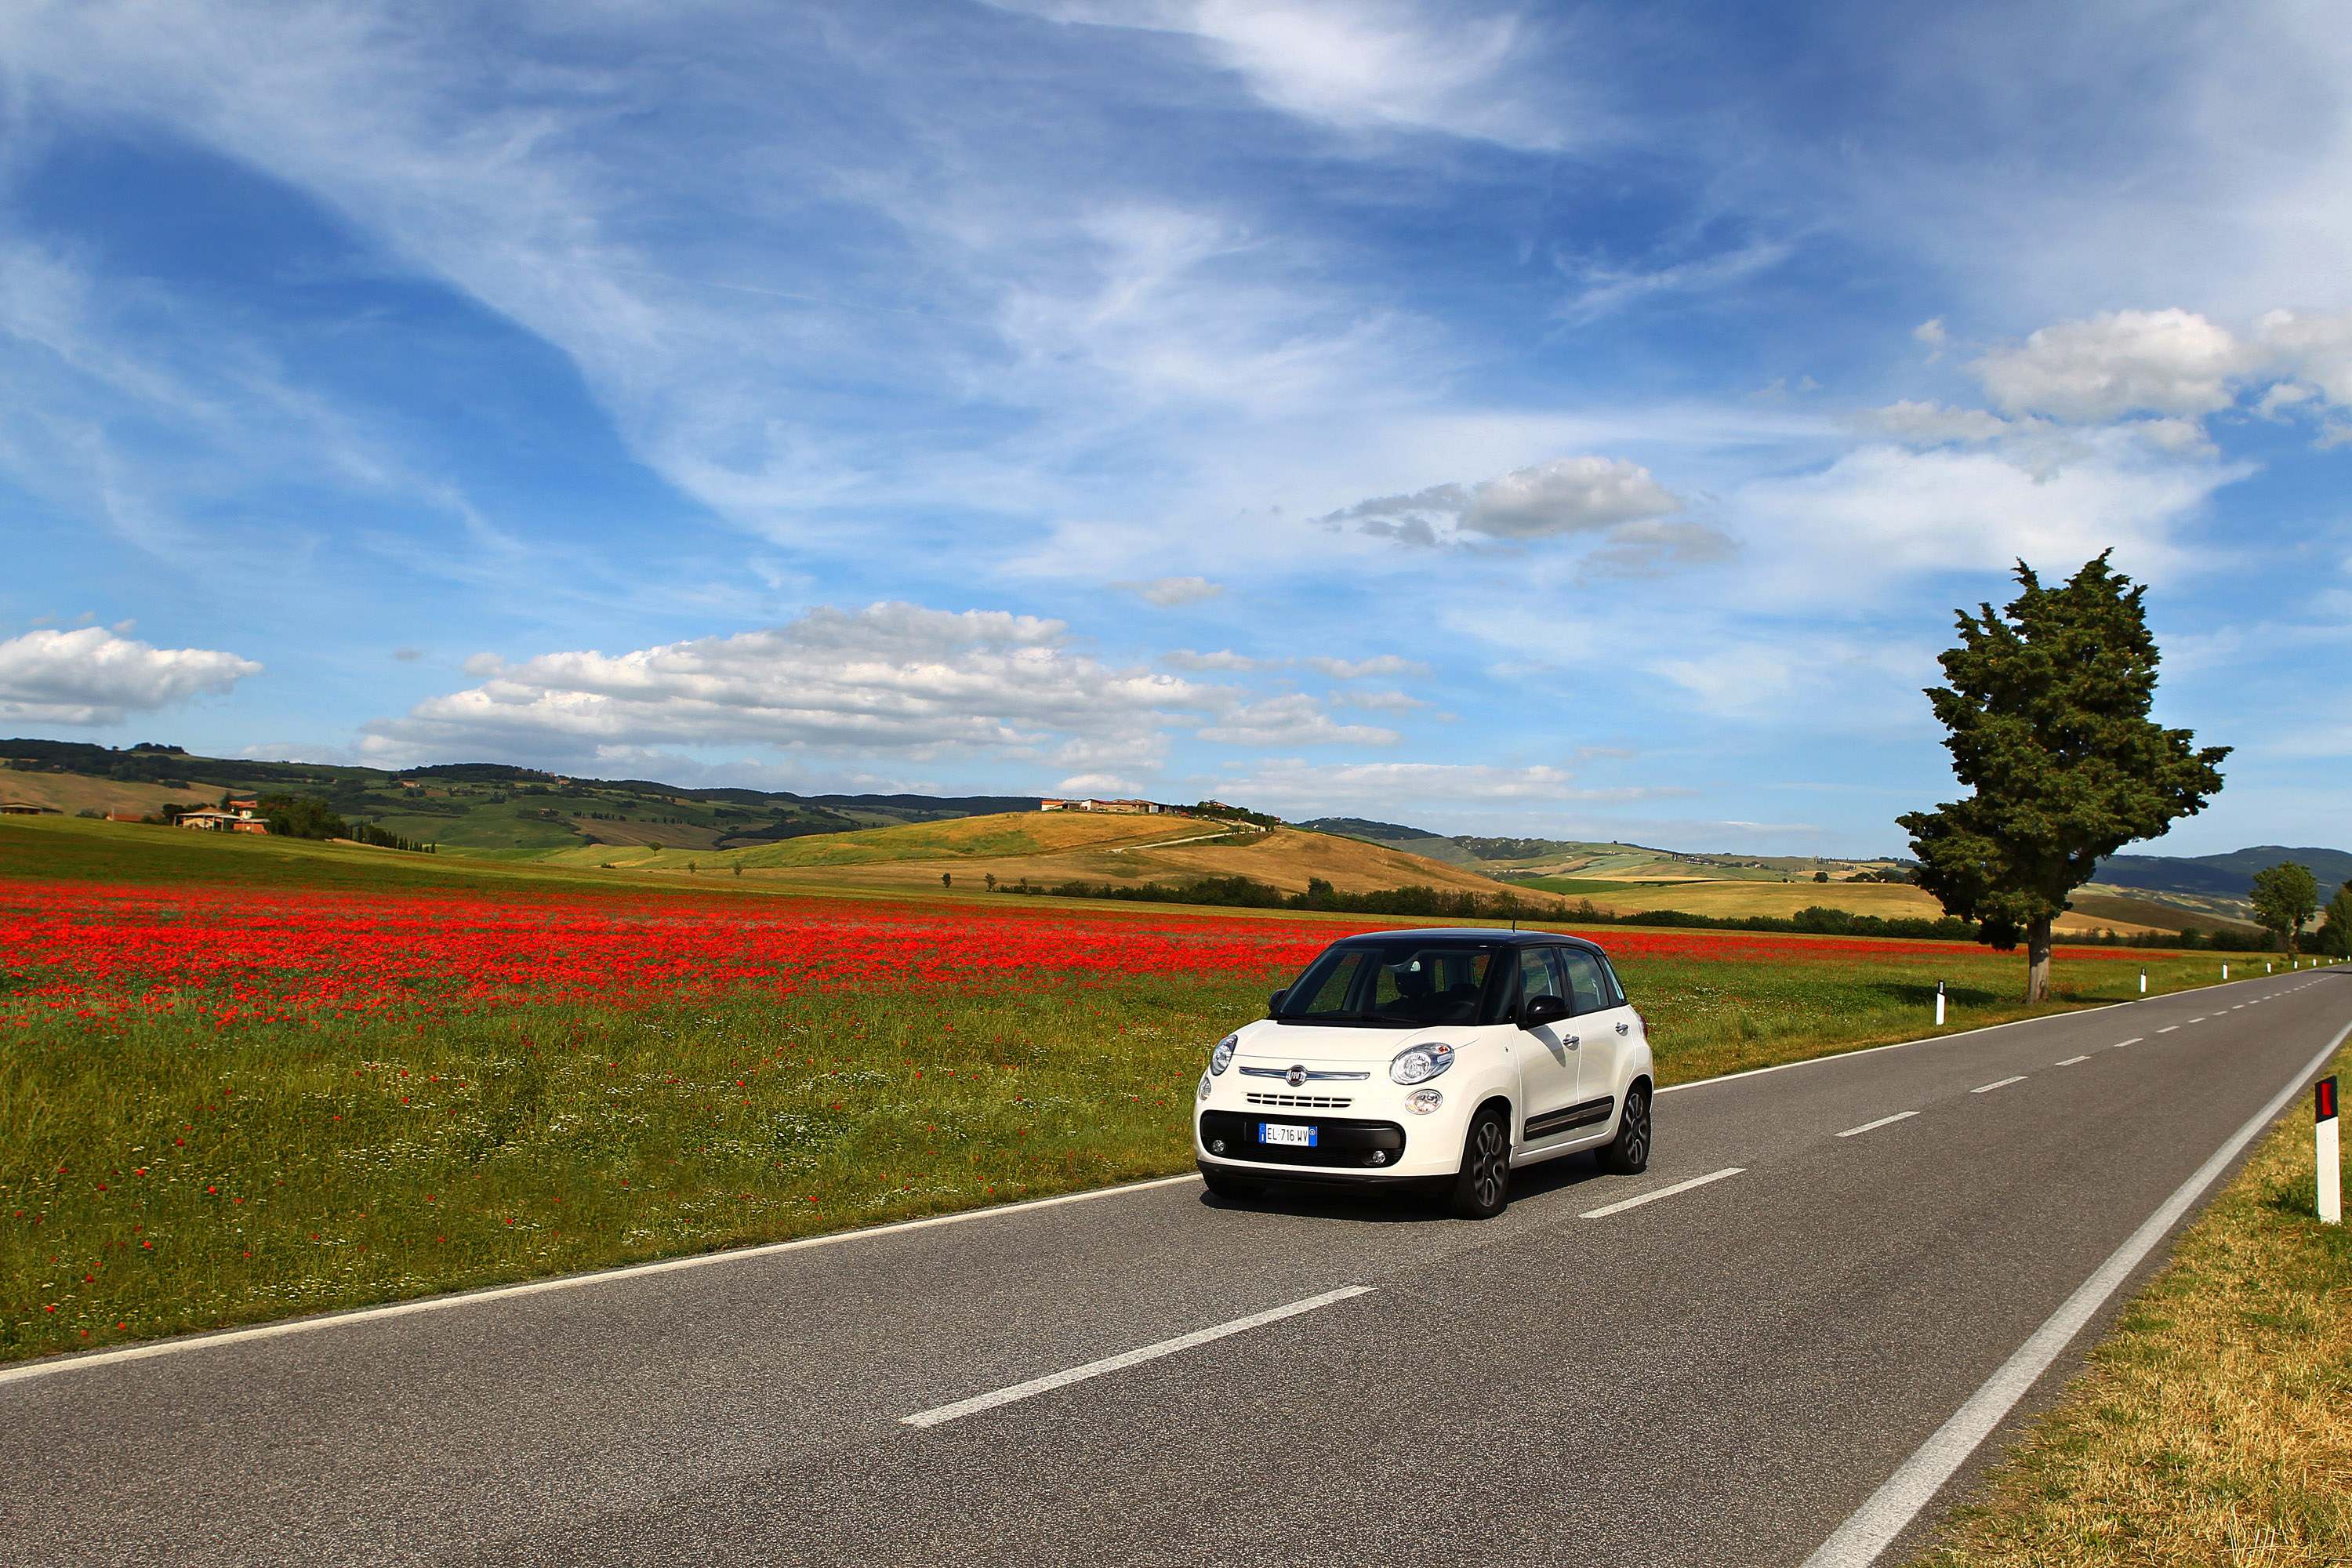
1304,1102
1342,1143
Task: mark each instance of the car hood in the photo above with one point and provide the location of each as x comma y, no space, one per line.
1268,1044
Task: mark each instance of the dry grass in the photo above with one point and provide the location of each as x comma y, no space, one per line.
1888,900
1049,849
2216,1425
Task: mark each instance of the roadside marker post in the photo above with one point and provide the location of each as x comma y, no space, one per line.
2225,971
2323,1147
2143,979
1939,1004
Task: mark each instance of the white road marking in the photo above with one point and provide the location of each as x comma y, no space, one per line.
1052,1381
2167,1028
1875,1126
2119,1045
2199,1020
1619,1208
2003,1083
2069,1061
1889,1510
569,1282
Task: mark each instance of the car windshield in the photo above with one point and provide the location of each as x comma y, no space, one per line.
1396,985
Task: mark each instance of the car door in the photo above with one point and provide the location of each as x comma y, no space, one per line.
1603,1023
1546,1054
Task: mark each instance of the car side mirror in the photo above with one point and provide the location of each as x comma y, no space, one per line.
1274,1003
1542,1010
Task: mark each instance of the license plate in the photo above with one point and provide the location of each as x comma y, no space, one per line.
1277,1133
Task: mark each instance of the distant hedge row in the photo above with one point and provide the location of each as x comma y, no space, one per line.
1242,892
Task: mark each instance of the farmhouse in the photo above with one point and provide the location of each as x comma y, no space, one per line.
212,819
1121,808
26,808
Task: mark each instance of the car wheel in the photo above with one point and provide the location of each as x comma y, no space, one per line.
1230,1188
1628,1153
1483,1187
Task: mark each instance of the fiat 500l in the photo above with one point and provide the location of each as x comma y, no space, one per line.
1437,1058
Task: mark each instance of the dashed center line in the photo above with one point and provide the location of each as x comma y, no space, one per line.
2069,1061
2197,1020
2002,1083
1873,1126
1620,1207
2119,1045
2167,1028
1113,1363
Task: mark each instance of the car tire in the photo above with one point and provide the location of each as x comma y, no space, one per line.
1482,1188
1628,1153
1229,1188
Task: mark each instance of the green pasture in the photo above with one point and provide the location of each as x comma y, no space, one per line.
158,1176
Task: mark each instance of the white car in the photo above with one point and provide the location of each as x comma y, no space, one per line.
1441,1058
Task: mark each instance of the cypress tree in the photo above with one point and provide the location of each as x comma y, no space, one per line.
2047,711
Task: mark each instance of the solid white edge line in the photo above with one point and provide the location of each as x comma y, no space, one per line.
2001,1083
2069,1061
538,1286
1889,1510
1112,1364
1875,1126
1624,1204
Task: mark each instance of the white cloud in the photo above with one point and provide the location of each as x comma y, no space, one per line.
1101,786
93,676
1933,424
1377,701
1224,659
1293,720
1168,593
2118,362
1882,512
1353,63
1357,669
894,679
2313,345
1292,786
1565,495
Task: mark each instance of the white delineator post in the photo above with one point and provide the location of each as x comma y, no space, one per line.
1939,1004
2142,980
2331,1161
2225,971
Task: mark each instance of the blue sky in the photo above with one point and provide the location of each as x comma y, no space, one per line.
1572,420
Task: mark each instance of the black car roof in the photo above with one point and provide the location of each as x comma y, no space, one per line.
1474,934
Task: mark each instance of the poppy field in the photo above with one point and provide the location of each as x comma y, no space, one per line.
221,1105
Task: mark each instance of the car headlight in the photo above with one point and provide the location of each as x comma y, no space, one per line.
1422,1101
1420,1064
1204,1087
1222,1057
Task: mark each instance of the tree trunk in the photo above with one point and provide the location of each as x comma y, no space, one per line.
2037,961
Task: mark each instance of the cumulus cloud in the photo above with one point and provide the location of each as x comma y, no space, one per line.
2314,346
894,679
94,677
2118,362
1293,720
1168,592
1567,496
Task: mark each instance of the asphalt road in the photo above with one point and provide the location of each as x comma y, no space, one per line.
1718,1377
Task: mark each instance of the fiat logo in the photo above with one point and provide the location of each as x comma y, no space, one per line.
1294,1077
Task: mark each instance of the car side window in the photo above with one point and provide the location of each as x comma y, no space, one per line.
1581,981
1611,983
1536,977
